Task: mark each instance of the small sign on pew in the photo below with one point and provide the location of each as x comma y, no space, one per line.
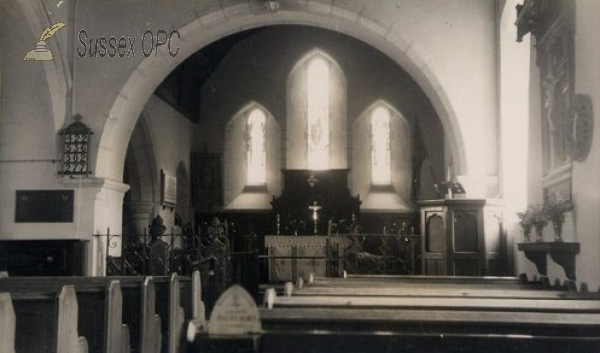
235,313
234,325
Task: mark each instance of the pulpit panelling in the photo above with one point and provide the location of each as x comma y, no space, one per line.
463,237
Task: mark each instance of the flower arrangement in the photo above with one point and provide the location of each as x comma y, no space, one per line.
555,208
538,216
533,216
526,221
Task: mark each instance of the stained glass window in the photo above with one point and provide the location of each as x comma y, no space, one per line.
256,159
318,114
380,146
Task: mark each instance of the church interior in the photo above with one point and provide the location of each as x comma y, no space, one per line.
295,153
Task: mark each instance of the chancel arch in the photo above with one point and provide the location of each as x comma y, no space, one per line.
149,73
134,90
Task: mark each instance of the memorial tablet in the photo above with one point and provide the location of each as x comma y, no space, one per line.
44,206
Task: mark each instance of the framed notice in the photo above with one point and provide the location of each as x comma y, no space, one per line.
44,206
168,190
207,185
76,140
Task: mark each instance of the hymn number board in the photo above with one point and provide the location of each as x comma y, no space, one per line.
75,148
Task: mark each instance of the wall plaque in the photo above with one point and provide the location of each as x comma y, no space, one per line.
44,206
169,190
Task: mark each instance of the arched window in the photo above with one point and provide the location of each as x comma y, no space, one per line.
316,119
256,154
380,147
318,114
252,159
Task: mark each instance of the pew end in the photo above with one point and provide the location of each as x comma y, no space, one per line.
7,324
288,289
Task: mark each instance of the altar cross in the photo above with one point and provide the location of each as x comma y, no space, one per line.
315,216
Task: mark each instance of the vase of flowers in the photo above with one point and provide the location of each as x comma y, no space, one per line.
539,220
526,222
555,208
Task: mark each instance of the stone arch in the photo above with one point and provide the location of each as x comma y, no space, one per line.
215,24
142,170
58,76
313,53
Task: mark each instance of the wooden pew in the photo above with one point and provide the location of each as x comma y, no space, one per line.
168,293
46,321
101,317
366,342
169,307
7,324
92,294
440,303
197,324
176,314
368,315
150,333
464,324
440,291
100,308
502,283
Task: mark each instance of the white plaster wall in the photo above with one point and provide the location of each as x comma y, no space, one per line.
582,224
514,72
172,137
586,175
234,158
28,136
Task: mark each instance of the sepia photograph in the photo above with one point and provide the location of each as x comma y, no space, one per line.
266,176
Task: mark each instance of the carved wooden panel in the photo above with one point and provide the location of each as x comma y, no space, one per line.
466,234
435,234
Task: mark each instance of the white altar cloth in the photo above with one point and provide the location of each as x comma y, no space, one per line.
292,256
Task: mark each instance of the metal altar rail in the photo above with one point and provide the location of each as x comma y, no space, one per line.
221,267
184,252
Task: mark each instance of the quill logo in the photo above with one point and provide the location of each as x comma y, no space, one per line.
41,53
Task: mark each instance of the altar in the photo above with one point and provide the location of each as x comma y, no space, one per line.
291,257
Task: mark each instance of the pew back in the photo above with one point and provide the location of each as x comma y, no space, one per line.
46,321
99,306
134,298
435,314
